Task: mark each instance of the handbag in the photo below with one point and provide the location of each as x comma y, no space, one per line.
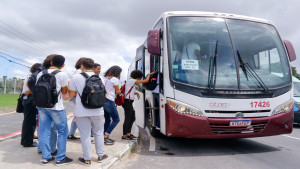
20,107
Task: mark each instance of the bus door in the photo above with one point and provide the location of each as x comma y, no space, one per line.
139,104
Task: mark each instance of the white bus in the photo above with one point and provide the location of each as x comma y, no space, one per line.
217,77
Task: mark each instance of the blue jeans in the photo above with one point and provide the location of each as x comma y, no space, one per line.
53,139
47,116
110,112
73,127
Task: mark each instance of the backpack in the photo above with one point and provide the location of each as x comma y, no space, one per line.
151,85
120,98
32,80
45,94
93,94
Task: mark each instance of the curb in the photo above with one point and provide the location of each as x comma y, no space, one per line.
124,152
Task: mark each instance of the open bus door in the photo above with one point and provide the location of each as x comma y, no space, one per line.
139,104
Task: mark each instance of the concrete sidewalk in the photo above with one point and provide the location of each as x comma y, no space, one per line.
14,156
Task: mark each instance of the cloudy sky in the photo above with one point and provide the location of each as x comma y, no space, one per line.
109,31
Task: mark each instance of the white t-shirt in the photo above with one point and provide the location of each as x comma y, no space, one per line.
129,84
25,87
61,81
77,84
77,71
110,83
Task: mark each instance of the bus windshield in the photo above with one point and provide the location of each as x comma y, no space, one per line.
219,53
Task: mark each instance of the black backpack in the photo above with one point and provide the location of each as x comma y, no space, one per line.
32,80
45,94
151,85
93,94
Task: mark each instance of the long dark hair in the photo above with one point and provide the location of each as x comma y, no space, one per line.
47,61
78,63
35,67
114,71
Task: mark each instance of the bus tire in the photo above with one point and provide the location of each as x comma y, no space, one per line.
154,132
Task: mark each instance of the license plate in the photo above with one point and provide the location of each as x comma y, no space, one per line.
240,123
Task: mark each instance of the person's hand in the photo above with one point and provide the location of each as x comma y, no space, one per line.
138,96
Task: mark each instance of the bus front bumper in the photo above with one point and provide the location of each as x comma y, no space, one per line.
190,126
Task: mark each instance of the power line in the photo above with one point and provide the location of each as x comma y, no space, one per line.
14,61
26,38
11,56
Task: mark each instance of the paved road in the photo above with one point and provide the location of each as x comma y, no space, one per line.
266,152
11,123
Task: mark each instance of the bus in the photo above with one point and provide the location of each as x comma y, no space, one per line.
218,77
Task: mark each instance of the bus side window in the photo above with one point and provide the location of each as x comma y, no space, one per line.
139,65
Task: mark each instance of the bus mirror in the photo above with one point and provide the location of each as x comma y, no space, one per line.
153,42
290,50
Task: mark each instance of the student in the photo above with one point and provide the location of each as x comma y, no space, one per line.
88,120
97,68
130,88
112,76
53,131
30,111
57,114
73,123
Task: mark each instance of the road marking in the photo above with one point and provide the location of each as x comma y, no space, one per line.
291,137
7,113
6,136
152,141
10,135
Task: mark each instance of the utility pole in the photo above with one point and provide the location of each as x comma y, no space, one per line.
4,81
15,84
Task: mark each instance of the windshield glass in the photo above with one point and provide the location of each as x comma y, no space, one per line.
260,47
296,88
194,43
201,53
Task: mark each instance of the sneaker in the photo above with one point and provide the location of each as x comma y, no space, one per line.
133,137
108,141
47,161
65,161
101,159
84,162
72,137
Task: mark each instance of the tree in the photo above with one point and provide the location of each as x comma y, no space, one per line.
294,71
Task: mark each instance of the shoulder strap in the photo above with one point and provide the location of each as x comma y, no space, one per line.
130,90
84,75
55,72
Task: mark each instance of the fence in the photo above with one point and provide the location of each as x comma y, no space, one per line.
10,85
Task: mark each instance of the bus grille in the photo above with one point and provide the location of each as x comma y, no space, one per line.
255,127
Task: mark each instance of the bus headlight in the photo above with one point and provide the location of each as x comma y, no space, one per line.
183,108
283,108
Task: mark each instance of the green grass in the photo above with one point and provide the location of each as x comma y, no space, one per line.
8,100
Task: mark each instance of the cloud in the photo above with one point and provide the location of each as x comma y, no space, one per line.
110,31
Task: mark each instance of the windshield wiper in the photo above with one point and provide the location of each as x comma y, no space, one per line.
213,73
248,69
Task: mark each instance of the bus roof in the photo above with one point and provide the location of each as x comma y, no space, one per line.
213,14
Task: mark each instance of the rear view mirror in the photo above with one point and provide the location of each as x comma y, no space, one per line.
153,42
290,50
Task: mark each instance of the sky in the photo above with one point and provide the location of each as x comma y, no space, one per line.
109,31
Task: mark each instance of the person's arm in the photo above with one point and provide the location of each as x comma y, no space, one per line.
138,95
64,90
71,94
72,90
145,80
117,89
